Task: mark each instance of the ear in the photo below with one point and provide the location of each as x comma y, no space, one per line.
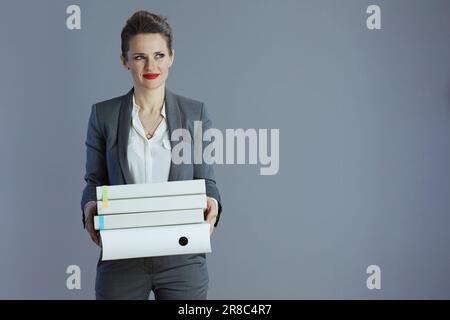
172,57
124,62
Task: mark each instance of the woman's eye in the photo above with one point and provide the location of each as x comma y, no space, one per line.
138,58
160,55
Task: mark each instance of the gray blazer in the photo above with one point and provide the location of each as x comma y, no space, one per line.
107,140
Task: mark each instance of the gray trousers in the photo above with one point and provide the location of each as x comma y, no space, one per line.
177,277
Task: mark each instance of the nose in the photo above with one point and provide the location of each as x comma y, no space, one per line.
150,64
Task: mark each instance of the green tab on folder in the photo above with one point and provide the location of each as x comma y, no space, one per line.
105,196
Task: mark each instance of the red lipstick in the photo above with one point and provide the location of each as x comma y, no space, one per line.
151,76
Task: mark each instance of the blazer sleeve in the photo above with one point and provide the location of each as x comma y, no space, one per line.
96,169
206,171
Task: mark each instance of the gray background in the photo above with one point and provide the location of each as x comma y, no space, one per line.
364,119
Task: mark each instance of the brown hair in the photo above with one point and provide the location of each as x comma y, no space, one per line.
145,22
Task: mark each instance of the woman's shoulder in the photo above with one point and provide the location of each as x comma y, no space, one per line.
110,103
108,109
186,100
187,105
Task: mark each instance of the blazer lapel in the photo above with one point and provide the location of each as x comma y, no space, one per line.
173,122
123,133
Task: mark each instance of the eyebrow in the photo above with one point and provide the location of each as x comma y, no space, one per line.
141,53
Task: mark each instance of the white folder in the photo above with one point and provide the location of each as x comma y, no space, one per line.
155,241
148,219
197,201
159,189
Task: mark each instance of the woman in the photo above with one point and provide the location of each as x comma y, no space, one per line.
128,142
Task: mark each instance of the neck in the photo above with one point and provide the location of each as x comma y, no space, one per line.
150,100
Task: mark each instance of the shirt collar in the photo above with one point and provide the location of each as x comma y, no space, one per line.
163,110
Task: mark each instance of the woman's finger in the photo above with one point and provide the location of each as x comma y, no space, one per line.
206,212
211,220
93,238
99,238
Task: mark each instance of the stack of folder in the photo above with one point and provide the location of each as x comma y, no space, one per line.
146,220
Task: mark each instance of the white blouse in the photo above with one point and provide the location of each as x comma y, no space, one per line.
148,160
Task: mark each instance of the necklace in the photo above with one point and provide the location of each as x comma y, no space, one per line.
149,134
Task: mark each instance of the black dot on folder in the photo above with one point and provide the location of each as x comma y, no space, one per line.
183,241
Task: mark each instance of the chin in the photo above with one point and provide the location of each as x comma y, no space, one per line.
152,85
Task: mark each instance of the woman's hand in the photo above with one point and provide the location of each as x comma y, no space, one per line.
211,213
91,211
